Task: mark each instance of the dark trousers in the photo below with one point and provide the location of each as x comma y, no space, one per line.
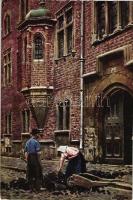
76,165
34,172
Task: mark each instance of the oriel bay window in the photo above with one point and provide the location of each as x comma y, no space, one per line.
7,67
65,32
25,120
110,17
63,115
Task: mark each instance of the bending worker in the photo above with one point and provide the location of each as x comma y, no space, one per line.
76,161
34,169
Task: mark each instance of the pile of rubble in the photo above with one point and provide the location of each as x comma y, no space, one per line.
56,182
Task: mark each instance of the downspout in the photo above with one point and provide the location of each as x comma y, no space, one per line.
81,71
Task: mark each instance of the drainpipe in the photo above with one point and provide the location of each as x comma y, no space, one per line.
81,72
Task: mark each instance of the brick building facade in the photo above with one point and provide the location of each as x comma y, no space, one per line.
67,70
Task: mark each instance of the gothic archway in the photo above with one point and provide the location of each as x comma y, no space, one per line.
114,124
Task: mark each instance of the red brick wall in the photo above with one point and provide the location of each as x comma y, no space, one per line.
64,76
120,39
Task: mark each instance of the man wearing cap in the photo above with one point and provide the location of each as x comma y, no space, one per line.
34,169
76,161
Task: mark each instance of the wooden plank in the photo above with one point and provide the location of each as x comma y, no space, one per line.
94,177
86,183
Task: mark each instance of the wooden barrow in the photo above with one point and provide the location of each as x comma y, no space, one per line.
88,181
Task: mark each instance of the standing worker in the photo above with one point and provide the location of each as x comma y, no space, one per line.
76,161
34,169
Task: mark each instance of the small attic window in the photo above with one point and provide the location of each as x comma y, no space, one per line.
38,46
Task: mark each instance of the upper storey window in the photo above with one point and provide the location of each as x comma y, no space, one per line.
38,47
112,6
7,67
101,18
23,9
63,115
7,24
65,32
110,17
125,13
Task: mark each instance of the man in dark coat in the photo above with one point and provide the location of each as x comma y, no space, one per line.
34,169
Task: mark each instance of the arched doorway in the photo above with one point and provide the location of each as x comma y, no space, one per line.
117,127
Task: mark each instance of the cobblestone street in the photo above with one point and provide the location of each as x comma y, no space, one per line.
104,193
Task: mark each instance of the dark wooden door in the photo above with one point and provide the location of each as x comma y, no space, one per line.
113,129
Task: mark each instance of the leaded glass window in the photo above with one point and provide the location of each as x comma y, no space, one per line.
60,115
65,32
26,120
38,47
63,115
112,16
101,18
124,13
69,39
7,67
7,24
60,44
8,124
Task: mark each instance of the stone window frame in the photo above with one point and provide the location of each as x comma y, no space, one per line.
64,30
119,28
23,8
38,34
7,65
8,124
25,121
64,116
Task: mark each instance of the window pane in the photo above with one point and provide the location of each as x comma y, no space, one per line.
9,73
26,6
9,57
38,47
6,76
10,122
22,9
27,120
124,13
5,124
60,44
60,22
23,115
25,48
7,24
60,109
69,16
69,39
112,16
67,105
101,18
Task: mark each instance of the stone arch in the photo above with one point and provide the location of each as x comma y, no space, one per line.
107,86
